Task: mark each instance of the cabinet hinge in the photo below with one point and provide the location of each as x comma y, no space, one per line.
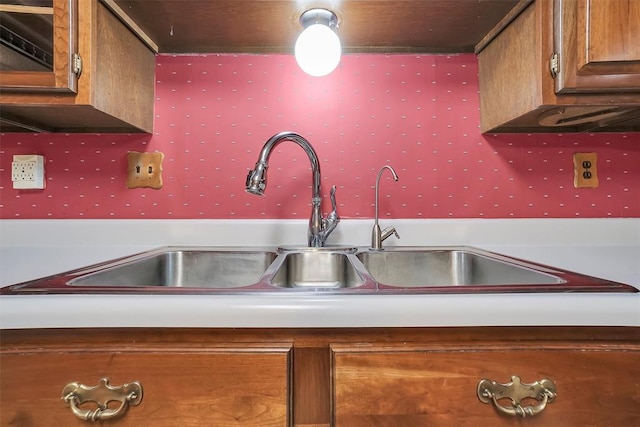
76,66
554,65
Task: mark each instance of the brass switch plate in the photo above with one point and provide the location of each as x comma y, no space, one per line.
585,170
145,170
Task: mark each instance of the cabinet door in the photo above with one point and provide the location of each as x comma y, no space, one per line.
407,385
38,46
598,43
247,385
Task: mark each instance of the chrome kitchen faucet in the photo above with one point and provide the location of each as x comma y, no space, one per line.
319,227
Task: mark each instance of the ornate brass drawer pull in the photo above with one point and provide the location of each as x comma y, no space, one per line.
75,394
543,391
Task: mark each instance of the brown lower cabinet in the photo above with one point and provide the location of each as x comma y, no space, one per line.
181,386
322,377
427,386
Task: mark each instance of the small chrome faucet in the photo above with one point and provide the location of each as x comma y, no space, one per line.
377,236
319,227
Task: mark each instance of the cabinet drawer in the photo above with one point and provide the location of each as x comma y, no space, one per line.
244,385
409,385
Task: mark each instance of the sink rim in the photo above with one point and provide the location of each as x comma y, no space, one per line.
57,284
349,249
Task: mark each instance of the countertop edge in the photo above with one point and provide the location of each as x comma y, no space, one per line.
315,311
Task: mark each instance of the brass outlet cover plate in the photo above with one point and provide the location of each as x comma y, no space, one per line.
585,170
144,170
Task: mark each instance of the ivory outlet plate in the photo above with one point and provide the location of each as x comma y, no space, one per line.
585,170
27,172
144,170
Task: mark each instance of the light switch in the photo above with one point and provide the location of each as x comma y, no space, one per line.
144,170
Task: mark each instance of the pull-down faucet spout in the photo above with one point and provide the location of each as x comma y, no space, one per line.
319,227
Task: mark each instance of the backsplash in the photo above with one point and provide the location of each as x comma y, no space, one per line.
417,113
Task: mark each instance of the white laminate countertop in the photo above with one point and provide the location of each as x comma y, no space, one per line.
607,248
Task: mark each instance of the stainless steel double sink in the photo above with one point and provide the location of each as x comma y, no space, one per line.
398,270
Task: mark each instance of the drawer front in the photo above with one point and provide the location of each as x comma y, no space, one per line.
212,387
432,387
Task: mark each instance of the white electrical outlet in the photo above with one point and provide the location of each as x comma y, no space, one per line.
27,172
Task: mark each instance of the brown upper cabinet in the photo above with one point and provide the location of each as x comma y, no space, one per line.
563,65
547,66
73,66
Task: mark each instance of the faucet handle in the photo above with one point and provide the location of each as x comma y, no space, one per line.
332,218
332,196
387,232
331,221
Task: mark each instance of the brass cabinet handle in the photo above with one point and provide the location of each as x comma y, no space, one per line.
544,391
75,394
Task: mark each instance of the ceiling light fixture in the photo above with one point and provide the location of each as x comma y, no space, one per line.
318,47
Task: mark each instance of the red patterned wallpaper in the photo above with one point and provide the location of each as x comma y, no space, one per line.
416,113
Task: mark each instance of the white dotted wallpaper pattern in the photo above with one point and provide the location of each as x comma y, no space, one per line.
417,113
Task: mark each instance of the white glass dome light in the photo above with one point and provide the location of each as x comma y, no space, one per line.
318,47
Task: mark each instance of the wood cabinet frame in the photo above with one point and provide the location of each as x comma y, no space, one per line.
594,51
65,45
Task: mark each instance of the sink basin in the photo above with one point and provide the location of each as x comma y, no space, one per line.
185,268
460,269
447,268
316,269
166,268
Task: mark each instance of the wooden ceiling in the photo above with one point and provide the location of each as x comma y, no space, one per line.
271,26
